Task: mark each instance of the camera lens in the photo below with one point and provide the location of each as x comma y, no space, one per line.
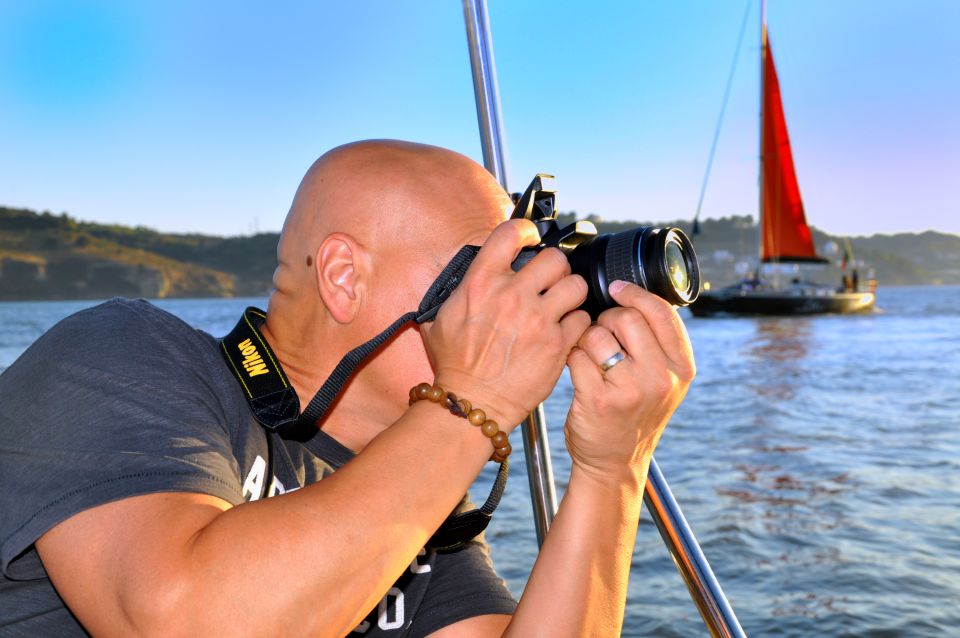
673,264
677,266
662,260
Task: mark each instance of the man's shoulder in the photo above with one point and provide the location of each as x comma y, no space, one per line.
121,313
129,327
125,337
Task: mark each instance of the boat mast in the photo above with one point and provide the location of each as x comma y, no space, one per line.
763,88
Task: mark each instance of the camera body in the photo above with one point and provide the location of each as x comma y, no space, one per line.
661,260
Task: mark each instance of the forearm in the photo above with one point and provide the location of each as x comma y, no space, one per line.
314,561
579,582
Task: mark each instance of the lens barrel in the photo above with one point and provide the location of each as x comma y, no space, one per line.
662,260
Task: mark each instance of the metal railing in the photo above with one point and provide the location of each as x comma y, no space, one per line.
536,450
704,588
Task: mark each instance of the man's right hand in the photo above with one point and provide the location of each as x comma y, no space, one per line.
502,338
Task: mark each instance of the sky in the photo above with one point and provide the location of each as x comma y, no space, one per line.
202,117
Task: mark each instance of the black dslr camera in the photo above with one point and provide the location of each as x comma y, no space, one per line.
661,260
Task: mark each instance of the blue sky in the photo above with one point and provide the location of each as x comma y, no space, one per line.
202,117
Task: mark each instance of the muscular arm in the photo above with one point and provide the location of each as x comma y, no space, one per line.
311,562
579,583
582,571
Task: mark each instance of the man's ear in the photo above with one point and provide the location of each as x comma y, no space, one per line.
339,276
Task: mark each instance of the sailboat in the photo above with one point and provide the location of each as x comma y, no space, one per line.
785,236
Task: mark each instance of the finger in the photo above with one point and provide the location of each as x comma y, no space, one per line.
662,318
584,373
630,328
503,245
547,267
572,327
600,344
565,295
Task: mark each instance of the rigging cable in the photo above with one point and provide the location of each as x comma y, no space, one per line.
723,109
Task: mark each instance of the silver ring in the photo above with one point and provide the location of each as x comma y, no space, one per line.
612,361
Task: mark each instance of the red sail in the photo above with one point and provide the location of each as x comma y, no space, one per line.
786,236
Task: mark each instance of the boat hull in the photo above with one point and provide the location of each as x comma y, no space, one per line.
780,303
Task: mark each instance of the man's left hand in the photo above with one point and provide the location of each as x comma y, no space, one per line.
618,415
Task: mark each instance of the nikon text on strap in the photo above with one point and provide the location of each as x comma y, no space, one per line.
272,399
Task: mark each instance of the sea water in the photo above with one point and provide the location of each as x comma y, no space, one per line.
817,459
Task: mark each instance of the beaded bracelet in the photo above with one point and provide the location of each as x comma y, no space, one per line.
462,408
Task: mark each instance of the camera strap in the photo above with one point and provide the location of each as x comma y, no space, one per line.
439,291
275,404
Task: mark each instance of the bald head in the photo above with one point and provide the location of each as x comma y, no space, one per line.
388,195
398,211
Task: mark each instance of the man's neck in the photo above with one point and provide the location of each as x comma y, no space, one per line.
308,359
351,428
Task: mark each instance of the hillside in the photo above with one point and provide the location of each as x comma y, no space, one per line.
45,256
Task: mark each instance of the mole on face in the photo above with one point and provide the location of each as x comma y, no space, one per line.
309,261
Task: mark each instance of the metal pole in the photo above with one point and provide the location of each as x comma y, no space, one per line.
704,588
486,89
487,93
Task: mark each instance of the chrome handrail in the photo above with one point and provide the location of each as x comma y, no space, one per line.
704,588
536,449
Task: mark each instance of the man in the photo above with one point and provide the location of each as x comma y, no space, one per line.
133,468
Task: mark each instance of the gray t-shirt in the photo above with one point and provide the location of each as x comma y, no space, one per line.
126,399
